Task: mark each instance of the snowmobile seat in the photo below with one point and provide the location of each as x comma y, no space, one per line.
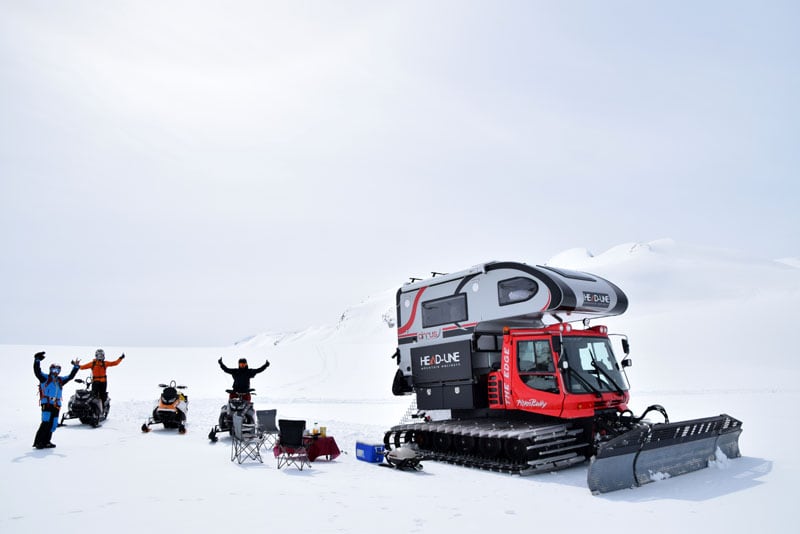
246,441
266,426
291,447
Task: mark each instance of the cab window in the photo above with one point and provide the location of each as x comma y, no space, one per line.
535,365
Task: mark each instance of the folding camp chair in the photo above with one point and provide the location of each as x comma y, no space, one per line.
266,426
291,448
246,441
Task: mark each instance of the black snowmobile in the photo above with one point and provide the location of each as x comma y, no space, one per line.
237,405
86,406
170,410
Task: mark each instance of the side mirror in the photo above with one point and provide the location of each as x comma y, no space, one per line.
625,346
627,362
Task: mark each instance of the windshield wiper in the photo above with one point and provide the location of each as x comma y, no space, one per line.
585,382
608,376
602,371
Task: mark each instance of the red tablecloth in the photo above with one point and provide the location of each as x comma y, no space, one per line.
322,446
317,446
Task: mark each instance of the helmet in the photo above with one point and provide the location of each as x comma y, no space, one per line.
55,368
99,354
242,362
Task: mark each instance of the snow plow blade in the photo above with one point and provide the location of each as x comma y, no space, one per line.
655,451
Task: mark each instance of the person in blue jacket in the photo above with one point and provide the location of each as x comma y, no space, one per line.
50,386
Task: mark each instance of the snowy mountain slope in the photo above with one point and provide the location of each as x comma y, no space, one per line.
329,360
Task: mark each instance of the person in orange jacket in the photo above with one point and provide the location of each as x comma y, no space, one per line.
99,380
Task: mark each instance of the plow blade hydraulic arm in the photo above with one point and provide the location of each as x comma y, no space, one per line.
662,450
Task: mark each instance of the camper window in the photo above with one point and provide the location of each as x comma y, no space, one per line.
516,290
446,310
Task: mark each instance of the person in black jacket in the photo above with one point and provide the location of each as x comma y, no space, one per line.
50,386
241,377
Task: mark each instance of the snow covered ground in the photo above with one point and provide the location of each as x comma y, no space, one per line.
709,333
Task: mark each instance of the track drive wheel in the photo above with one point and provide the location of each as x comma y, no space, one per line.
489,447
515,449
464,444
442,441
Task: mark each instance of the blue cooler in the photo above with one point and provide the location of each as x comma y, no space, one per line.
369,452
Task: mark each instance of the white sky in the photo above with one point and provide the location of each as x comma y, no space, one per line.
190,173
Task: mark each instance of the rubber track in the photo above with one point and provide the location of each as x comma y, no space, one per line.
534,448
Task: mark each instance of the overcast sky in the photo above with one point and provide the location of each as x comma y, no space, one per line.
190,173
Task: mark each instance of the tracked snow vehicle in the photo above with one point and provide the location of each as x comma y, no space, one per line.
528,390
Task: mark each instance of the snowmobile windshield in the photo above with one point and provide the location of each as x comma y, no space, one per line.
169,395
592,359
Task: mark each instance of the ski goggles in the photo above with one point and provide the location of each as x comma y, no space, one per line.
55,369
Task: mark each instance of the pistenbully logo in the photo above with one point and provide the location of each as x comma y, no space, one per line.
531,403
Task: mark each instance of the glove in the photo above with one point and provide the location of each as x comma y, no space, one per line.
122,357
267,363
39,356
220,361
76,362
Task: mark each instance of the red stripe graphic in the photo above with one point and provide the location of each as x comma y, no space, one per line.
403,329
467,325
549,296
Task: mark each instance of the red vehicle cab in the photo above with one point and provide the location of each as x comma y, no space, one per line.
558,371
